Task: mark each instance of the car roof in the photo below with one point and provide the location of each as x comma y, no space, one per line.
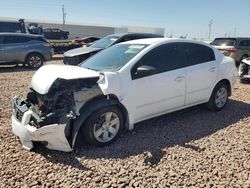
135,34
150,41
232,38
20,34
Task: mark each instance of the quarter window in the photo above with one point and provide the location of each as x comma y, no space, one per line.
164,58
197,53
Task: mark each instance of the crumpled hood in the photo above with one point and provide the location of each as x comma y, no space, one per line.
46,75
81,51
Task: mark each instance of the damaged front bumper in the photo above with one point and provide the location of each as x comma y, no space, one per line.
53,134
244,69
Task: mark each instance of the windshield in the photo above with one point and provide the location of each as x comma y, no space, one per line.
223,42
113,58
104,42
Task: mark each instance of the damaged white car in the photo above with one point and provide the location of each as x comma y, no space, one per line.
118,87
244,70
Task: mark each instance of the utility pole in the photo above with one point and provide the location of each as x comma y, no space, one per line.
210,28
235,30
64,16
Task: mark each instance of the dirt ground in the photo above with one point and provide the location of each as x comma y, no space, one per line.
188,148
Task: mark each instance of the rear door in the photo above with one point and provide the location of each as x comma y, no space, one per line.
202,72
1,49
14,47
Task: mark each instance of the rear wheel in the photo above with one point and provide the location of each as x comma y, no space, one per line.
103,126
34,60
219,97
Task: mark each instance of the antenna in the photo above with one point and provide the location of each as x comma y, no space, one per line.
210,28
64,16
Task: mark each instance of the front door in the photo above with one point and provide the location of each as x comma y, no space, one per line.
152,95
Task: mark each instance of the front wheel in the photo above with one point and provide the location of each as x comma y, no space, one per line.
103,126
218,98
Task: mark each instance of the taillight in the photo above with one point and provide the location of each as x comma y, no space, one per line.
231,50
46,44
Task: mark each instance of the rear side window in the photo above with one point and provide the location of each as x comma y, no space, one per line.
197,53
242,43
163,58
13,27
224,42
15,39
1,39
247,43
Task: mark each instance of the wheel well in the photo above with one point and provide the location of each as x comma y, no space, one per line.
112,100
33,53
227,83
91,106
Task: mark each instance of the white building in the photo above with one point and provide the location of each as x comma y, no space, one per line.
84,30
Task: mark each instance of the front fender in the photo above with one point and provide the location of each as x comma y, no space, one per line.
86,110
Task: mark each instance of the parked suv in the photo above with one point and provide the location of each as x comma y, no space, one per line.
238,48
28,49
78,55
118,87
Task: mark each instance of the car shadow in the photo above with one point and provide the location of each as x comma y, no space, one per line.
152,137
14,68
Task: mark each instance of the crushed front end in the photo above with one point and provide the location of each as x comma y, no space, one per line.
48,118
244,69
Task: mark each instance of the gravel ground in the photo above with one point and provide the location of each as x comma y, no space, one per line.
189,148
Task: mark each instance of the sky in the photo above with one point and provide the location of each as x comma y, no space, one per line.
177,17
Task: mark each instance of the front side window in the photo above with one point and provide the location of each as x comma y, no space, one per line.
104,42
197,53
163,58
113,58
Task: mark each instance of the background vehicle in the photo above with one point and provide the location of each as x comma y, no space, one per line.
13,26
55,33
118,87
85,41
28,49
238,48
76,56
244,70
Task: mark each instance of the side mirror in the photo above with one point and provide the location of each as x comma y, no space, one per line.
144,70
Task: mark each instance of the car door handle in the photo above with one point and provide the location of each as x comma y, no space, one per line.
212,69
179,78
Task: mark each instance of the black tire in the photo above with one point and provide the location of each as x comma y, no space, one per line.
213,103
34,60
95,123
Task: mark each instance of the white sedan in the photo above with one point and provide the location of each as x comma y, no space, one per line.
118,87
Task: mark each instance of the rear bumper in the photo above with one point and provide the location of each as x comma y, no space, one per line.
53,135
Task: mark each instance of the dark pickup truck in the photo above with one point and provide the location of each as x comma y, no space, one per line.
54,33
